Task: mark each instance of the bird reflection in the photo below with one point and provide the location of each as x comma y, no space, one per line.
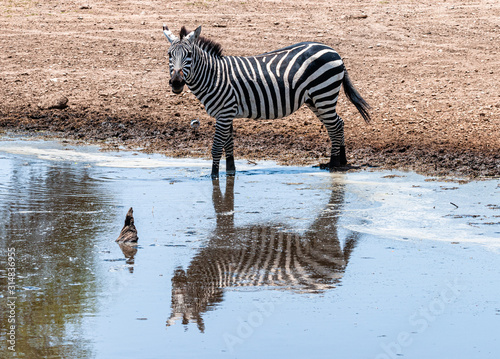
262,255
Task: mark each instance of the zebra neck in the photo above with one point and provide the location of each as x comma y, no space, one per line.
206,74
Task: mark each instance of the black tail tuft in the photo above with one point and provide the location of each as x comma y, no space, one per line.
354,96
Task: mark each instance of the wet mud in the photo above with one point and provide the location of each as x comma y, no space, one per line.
284,141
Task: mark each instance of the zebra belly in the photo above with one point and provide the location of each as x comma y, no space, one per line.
261,116
267,109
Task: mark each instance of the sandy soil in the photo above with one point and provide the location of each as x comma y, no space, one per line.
430,71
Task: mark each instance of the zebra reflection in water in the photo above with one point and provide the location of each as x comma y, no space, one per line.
260,256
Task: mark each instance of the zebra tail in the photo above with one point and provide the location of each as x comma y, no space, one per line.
354,96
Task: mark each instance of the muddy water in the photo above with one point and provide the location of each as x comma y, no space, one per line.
276,262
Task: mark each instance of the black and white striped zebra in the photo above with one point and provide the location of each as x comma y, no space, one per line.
260,255
268,86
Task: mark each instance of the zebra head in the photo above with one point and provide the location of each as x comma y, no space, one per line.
180,56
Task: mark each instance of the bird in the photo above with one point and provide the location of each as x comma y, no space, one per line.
129,232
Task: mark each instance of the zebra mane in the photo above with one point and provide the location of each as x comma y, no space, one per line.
212,47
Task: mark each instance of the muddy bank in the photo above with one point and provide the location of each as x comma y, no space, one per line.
287,142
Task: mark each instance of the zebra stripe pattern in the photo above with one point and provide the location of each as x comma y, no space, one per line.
268,86
259,256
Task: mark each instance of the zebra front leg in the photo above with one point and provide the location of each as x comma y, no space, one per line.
222,138
228,148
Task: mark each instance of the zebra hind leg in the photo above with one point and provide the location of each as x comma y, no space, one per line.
335,128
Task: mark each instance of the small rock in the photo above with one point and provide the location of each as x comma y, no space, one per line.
53,102
195,124
85,7
107,94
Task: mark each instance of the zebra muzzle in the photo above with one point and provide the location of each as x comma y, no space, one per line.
177,87
177,82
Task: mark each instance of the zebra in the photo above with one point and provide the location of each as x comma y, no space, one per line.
259,255
268,86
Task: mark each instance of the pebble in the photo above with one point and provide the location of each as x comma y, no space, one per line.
195,124
53,102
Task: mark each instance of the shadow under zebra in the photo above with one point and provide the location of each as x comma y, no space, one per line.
263,255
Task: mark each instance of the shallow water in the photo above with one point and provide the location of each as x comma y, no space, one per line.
276,262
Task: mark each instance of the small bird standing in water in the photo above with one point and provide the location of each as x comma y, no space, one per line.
129,232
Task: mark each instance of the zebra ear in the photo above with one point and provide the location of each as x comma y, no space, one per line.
171,37
193,35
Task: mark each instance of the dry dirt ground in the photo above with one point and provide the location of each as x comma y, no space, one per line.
430,71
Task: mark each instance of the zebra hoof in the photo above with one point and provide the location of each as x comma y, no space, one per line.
333,166
334,162
230,168
323,166
337,162
342,156
215,171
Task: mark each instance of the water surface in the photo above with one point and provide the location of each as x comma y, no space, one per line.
276,262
